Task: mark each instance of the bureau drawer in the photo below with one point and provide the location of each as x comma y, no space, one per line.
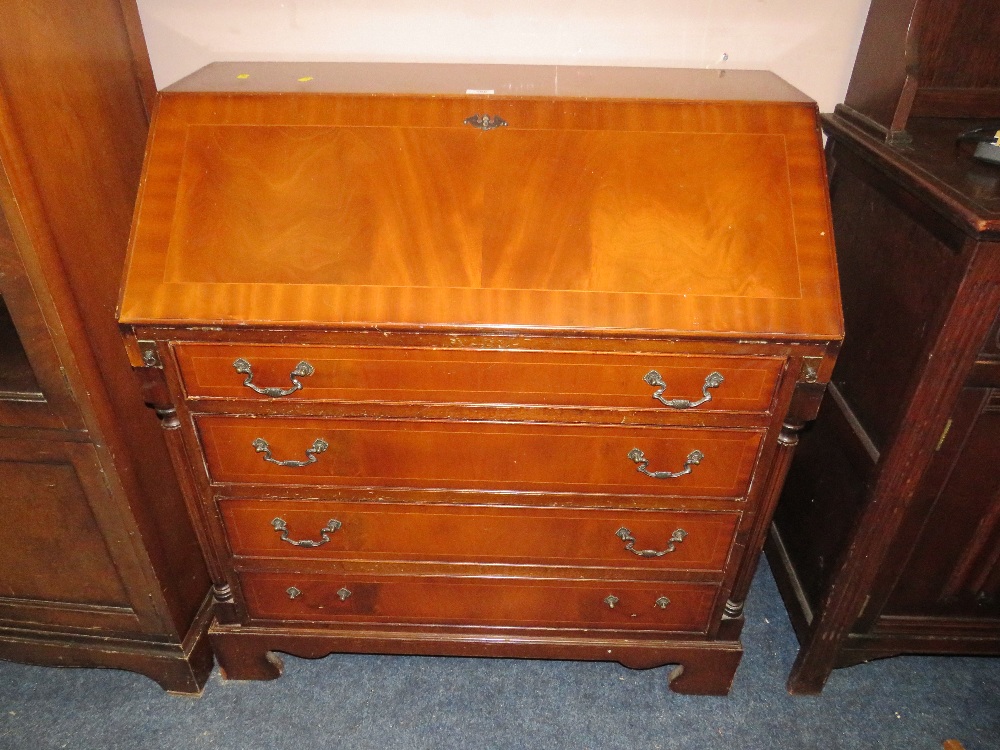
458,376
479,455
678,540
455,600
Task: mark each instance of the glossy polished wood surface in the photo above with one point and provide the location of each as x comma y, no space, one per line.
480,455
429,533
524,602
450,208
355,211
394,374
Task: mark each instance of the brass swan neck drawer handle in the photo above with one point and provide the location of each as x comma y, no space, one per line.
485,122
302,370
653,378
693,459
324,534
626,536
319,445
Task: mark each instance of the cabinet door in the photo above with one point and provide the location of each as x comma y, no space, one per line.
954,564
60,543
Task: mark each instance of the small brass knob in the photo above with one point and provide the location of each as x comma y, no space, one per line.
611,600
343,594
292,592
662,602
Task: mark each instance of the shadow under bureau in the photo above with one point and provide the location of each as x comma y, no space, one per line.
482,360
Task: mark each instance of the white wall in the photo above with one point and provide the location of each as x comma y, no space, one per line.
810,43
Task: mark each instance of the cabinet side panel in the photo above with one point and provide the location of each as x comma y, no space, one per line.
895,276
822,499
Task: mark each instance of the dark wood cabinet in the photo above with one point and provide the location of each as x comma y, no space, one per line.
924,59
99,565
513,373
887,537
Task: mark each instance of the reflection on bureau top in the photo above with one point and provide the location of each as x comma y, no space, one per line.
527,198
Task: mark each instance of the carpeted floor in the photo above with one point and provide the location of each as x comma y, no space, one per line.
360,702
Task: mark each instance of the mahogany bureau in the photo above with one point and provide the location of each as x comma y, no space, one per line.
482,360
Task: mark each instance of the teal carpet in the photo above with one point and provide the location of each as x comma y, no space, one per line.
361,702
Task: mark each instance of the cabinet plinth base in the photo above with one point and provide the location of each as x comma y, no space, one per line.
182,669
703,667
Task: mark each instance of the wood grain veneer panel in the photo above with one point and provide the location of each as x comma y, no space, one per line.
501,602
652,213
314,205
427,533
478,455
639,212
397,374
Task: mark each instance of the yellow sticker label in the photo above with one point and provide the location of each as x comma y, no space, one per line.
305,78
243,76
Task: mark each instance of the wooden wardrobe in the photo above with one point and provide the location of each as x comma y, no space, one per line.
99,565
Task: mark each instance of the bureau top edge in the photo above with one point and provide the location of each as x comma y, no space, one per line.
485,80
180,328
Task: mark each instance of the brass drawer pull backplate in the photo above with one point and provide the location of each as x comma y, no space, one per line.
282,528
653,378
319,445
302,369
626,536
693,459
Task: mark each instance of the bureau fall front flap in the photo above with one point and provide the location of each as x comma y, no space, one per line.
571,211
